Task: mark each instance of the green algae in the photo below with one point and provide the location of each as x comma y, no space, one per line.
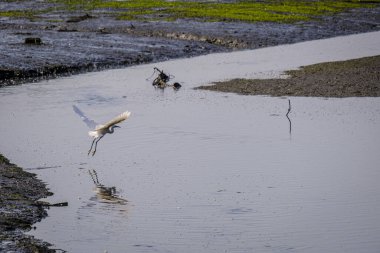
283,11
3,159
280,11
19,14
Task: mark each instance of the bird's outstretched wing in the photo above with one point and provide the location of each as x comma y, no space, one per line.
89,122
117,119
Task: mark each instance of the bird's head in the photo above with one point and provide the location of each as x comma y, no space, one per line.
112,128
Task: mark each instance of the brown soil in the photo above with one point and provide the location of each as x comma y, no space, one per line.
353,78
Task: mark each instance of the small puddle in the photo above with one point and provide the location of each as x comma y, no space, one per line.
197,171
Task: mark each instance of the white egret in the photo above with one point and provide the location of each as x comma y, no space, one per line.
99,131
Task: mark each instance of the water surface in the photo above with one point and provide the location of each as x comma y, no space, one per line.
203,171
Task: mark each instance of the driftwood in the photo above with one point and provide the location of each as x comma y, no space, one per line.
33,41
43,203
161,81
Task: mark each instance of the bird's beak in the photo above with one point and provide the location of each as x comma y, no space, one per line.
117,126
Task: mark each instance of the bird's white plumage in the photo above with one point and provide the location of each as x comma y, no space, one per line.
103,129
93,134
114,121
100,130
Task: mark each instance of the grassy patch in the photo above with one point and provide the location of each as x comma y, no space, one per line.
17,14
28,14
242,10
284,11
3,159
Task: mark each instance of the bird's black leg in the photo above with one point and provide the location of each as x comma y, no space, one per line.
91,146
96,144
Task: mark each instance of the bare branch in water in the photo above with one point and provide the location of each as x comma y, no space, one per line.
287,115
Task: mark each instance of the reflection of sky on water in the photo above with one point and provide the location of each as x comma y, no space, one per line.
203,171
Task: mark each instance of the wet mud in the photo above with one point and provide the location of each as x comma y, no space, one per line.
20,208
352,78
70,42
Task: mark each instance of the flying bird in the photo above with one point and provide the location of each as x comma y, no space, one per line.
99,131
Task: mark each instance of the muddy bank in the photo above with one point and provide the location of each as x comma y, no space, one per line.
353,78
20,208
63,42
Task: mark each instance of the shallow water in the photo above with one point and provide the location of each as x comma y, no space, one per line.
203,171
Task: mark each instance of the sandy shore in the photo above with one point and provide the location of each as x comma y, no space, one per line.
353,78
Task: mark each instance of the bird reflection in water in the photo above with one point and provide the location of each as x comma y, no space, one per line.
105,194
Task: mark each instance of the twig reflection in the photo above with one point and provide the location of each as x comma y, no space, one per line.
104,193
287,115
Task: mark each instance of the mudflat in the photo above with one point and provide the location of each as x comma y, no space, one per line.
20,208
352,78
40,40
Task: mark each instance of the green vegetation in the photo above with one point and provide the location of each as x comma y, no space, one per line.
286,11
3,159
241,10
17,14
29,14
